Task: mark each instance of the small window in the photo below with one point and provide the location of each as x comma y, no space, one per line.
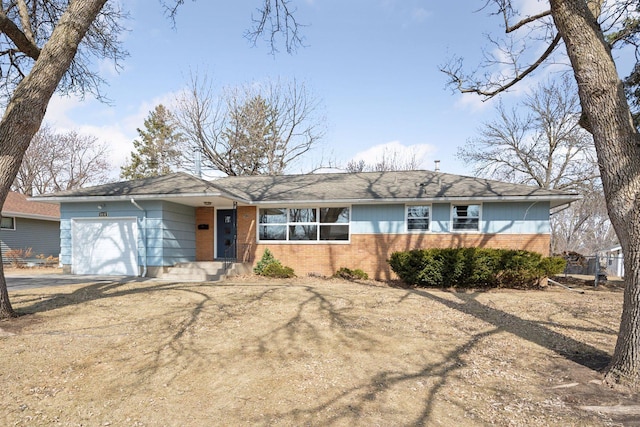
7,223
418,218
466,218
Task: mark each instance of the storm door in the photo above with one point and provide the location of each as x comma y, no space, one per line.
226,234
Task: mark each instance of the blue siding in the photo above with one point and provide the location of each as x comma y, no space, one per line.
377,219
496,217
515,218
440,217
178,233
169,234
43,237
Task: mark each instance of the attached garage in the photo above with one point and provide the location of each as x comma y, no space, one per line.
105,246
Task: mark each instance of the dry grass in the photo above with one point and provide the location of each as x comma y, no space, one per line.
307,352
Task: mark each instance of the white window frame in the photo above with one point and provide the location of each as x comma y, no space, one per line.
406,218
453,230
290,223
13,223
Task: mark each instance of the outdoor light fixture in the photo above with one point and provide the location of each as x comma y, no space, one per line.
101,206
207,203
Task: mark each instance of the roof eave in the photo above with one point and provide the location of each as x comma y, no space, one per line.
30,216
554,200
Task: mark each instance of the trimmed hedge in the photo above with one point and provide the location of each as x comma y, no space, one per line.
474,267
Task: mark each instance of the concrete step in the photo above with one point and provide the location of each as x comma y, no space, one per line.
203,271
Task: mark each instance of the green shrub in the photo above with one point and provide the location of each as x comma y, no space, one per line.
267,259
269,266
551,266
473,267
277,270
348,274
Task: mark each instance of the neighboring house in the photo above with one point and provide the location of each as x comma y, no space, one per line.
29,225
614,260
314,223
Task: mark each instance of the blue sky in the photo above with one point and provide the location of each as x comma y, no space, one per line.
372,63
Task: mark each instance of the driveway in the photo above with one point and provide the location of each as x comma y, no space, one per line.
17,282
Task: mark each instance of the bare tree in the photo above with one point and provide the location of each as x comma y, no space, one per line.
49,45
584,226
61,161
390,160
540,142
41,51
606,115
257,129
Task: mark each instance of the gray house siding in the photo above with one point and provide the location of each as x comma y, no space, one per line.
43,237
496,218
168,235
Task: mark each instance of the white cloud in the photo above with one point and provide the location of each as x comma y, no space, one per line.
107,123
403,153
420,14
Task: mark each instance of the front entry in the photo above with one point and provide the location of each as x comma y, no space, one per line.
226,233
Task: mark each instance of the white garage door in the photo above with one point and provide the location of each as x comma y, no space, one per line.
104,246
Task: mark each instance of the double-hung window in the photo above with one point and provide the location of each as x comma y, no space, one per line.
418,218
7,223
303,224
465,217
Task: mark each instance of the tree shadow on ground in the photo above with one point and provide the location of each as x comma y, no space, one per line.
529,330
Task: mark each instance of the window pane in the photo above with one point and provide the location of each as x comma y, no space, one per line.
302,215
334,232
6,222
418,211
465,224
334,215
417,224
273,216
466,217
273,232
303,232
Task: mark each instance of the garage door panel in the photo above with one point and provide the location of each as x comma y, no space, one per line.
105,246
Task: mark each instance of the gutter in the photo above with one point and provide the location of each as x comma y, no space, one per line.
144,239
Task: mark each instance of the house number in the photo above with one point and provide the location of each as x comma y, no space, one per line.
103,213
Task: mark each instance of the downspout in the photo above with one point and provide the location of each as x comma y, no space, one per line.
144,237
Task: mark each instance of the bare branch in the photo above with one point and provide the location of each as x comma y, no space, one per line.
22,41
276,18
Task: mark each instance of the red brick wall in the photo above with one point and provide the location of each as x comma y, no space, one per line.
205,238
369,252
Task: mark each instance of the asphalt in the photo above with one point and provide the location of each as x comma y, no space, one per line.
22,281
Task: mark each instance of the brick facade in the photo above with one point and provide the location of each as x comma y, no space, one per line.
205,237
369,252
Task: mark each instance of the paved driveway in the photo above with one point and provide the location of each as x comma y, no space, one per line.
22,281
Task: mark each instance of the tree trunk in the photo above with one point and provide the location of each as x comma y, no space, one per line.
616,140
28,104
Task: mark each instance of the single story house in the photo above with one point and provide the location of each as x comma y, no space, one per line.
314,223
28,225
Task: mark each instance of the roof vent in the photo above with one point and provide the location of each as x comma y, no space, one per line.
437,162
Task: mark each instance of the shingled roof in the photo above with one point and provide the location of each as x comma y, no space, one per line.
378,186
17,204
364,187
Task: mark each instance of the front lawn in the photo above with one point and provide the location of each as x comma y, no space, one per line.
308,352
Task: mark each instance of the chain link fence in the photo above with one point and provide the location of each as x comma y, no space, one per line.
601,267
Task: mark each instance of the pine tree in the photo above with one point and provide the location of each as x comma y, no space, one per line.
157,150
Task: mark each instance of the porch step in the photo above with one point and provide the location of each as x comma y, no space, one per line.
203,271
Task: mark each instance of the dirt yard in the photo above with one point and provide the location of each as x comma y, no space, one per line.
309,352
